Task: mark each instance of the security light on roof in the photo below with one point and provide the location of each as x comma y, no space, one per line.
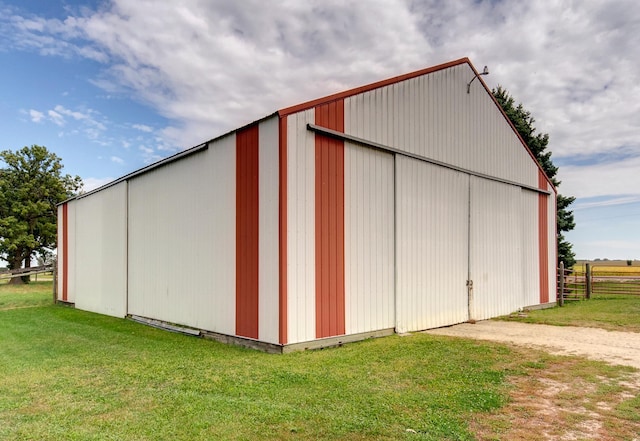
485,71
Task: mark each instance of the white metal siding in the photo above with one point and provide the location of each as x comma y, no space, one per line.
432,245
495,249
433,116
301,228
369,240
60,253
101,252
553,246
182,240
268,237
432,226
530,248
71,250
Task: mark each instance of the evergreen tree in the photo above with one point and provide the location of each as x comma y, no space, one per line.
537,143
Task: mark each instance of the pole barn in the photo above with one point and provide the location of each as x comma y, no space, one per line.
404,205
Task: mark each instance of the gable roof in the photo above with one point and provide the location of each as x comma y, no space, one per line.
366,88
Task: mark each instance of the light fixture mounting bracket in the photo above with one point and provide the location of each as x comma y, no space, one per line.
484,72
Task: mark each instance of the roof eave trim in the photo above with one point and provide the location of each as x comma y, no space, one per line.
160,163
146,169
347,93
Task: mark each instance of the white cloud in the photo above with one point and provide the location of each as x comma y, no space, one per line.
88,122
149,155
36,116
213,66
47,36
56,118
90,125
89,117
258,57
75,115
91,183
609,202
615,178
117,160
142,128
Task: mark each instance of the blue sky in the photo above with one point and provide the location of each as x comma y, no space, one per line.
111,86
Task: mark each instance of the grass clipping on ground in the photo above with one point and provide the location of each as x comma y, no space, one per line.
69,374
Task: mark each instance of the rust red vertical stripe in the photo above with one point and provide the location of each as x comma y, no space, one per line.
543,238
282,195
329,220
247,227
65,252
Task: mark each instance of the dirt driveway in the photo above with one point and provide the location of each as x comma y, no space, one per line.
621,348
557,403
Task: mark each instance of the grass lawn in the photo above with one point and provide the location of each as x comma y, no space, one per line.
28,295
612,312
67,374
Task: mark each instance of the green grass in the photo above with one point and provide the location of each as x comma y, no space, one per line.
28,295
612,312
67,374
70,374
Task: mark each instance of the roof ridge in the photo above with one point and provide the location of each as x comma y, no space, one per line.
376,85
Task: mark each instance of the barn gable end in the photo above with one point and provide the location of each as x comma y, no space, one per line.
404,205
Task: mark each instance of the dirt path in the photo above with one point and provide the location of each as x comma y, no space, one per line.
622,348
557,403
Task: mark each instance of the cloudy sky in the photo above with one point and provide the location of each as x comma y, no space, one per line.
113,85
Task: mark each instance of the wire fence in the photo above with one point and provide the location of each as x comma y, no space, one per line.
596,280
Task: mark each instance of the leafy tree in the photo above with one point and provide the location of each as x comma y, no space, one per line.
31,185
537,143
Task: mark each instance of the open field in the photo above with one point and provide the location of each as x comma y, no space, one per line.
611,267
69,374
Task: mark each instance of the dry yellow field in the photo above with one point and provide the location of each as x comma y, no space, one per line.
612,267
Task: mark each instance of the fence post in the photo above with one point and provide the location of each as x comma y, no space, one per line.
561,287
588,280
55,281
